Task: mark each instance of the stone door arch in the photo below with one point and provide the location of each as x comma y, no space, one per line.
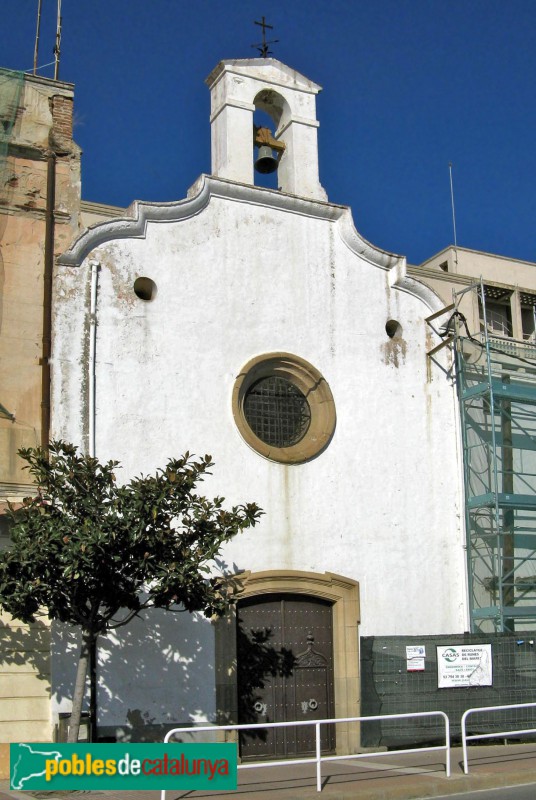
342,594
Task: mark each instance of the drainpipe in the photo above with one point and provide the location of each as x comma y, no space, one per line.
95,266
47,299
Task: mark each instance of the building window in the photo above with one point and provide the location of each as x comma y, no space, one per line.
277,411
528,313
498,313
283,408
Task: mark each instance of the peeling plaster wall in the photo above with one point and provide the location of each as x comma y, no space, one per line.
43,125
381,505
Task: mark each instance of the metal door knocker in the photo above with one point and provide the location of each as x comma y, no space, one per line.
309,705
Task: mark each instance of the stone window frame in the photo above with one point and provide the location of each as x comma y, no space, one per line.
313,386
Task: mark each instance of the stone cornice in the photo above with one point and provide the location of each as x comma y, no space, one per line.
457,278
422,273
261,69
13,492
139,214
452,249
92,207
15,209
405,283
50,83
32,152
134,222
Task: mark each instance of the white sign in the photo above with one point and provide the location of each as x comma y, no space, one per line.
415,655
464,665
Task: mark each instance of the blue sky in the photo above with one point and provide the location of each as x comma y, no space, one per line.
408,85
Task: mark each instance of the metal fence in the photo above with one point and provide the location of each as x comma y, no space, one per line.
495,734
318,759
388,687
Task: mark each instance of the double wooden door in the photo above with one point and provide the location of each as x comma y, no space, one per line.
285,673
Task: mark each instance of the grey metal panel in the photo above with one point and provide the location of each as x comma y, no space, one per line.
388,688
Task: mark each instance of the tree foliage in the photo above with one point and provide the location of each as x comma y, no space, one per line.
92,552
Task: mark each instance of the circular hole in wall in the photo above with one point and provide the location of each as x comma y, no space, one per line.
393,328
145,288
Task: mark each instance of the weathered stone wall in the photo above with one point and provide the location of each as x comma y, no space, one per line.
43,125
25,686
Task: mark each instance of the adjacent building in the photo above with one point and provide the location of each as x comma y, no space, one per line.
489,323
40,215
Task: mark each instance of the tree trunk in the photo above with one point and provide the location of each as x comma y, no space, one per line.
80,686
93,690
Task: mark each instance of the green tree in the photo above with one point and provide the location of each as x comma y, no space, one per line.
94,553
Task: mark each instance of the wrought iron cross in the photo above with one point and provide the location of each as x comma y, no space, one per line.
263,47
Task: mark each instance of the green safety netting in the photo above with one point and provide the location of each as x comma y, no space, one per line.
11,83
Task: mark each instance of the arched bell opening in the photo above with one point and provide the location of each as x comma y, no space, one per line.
271,111
265,158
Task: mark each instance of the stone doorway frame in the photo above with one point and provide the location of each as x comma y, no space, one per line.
343,593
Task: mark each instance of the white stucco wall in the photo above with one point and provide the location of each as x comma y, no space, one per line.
236,279
153,672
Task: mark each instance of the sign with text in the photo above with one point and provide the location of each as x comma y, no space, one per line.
464,665
415,656
67,767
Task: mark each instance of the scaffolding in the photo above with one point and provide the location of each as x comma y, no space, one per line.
496,381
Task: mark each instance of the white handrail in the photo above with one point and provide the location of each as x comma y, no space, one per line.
318,758
497,734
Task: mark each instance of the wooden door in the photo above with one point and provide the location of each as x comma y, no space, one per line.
285,672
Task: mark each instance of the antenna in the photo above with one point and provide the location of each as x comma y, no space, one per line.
37,33
56,49
452,203
262,47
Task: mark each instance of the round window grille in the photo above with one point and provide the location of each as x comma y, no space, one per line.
277,412
283,408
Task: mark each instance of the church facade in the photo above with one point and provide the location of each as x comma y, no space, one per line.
256,324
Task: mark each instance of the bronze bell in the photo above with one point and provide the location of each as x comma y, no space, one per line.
266,163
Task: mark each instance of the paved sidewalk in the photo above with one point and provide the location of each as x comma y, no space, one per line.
387,777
